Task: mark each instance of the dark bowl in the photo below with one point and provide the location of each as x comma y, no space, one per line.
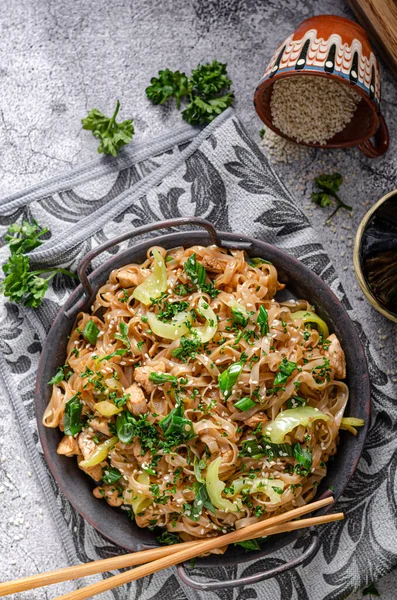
301,282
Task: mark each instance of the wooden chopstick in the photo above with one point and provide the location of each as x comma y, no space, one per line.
175,557
132,560
138,558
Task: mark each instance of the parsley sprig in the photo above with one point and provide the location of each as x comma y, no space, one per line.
206,91
329,185
168,84
112,135
23,285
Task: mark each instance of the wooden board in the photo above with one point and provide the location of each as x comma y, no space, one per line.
379,19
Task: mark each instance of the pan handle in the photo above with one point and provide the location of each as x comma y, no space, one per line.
250,579
86,260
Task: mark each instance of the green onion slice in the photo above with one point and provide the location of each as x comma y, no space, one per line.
245,404
91,332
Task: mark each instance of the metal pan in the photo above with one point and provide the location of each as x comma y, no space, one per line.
300,282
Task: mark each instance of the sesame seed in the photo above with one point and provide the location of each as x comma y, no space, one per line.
330,107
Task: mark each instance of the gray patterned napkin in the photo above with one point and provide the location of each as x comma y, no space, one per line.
219,174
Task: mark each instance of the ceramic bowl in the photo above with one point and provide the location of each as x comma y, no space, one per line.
335,48
372,228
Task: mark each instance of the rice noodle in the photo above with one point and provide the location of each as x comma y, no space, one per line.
220,429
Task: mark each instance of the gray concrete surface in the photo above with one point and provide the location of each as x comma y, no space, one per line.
59,59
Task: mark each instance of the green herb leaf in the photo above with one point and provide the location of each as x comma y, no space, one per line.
205,90
258,449
303,457
112,135
119,352
159,378
321,199
111,475
168,84
257,261
195,271
187,348
228,378
263,320
72,422
209,288
238,317
123,335
167,538
200,110
199,465
90,332
118,401
296,401
21,285
59,376
171,309
128,427
24,237
330,182
182,290
245,404
249,545
193,511
371,590
211,78
177,428
285,369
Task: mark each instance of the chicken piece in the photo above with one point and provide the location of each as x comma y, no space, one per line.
136,403
257,418
141,375
94,472
212,264
68,446
336,357
87,447
86,443
128,279
110,494
101,425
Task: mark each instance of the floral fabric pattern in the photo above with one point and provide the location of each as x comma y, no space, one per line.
220,175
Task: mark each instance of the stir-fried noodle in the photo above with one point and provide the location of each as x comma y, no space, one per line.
196,399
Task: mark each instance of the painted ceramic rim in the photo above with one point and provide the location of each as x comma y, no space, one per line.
357,261
315,72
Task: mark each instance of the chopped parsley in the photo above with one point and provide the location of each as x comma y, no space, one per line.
111,475
167,538
129,427
170,309
188,347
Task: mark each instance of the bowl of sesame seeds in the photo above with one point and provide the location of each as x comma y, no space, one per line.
322,88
